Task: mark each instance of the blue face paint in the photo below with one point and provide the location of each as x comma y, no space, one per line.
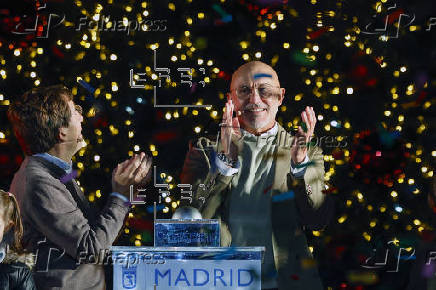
283,196
262,75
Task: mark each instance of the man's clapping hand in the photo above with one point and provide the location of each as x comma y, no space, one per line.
134,171
229,126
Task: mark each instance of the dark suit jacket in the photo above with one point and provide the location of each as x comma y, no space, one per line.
310,208
61,228
16,276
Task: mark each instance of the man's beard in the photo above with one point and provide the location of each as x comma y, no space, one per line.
257,124
252,121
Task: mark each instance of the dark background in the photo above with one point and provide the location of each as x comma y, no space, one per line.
377,158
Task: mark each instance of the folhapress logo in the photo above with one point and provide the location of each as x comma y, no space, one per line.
391,22
41,25
431,22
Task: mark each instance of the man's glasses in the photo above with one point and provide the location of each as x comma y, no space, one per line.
264,91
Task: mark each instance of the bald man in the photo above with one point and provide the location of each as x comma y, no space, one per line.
262,183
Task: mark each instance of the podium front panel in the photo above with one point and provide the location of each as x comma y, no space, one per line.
203,268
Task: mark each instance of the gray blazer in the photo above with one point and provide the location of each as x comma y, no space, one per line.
61,228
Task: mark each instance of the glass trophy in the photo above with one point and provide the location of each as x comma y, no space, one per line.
186,233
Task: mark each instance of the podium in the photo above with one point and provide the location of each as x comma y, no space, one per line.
185,256
203,268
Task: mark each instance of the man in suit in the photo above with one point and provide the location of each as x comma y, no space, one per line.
60,226
264,185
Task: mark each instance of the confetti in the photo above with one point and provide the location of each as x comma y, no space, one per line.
411,257
304,126
364,277
330,190
159,207
141,224
70,176
302,59
284,196
87,86
308,263
317,33
303,165
272,274
428,271
265,191
225,17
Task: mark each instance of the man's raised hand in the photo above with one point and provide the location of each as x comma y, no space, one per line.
229,126
303,135
134,171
